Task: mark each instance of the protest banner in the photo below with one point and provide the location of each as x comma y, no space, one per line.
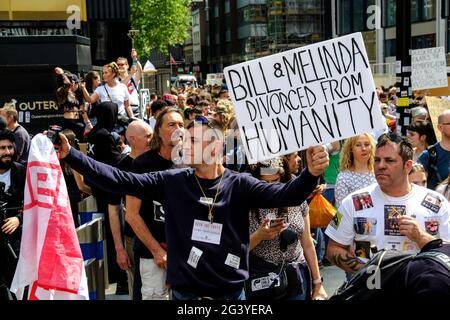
436,106
302,97
429,68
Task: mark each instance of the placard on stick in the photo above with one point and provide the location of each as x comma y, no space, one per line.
306,96
436,106
429,68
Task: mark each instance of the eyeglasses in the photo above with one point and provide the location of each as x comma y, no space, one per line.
121,64
202,120
445,124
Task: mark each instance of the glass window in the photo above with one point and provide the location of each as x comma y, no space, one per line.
390,48
227,6
345,24
429,10
415,11
389,13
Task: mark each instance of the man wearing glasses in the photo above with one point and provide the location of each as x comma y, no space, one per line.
436,160
206,209
400,215
131,80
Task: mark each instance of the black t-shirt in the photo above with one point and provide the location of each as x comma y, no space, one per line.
116,198
151,211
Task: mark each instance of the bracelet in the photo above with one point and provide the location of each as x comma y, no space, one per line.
318,281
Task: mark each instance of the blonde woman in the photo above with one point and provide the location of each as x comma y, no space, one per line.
418,175
356,166
112,91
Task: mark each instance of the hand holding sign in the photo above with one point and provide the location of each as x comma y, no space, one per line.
317,160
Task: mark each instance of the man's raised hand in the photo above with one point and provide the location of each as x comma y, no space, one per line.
317,160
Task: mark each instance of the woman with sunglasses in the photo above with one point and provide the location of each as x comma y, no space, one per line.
283,234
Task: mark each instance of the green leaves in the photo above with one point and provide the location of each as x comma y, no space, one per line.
161,23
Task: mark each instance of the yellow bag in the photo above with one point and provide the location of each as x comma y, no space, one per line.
321,212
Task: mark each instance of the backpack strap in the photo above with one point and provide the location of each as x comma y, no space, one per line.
432,163
437,256
134,84
104,86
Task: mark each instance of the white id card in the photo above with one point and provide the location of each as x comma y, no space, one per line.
206,231
194,257
233,261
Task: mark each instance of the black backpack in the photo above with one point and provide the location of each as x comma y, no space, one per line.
390,268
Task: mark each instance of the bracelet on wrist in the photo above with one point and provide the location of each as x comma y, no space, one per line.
317,281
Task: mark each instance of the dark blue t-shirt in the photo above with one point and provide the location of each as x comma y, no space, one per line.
442,164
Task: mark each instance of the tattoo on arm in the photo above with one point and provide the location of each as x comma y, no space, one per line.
347,262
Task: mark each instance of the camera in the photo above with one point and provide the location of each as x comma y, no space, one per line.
3,216
53,134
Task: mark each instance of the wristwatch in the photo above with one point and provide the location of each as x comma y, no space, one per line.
318,281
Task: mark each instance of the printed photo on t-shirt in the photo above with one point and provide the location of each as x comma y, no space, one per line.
159,214
365,226
362,201
432,226
393,245
362,249
336,221
391,214
432,202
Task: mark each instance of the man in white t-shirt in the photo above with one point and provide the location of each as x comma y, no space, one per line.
395,214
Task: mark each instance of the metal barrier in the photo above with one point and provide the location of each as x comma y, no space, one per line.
92,242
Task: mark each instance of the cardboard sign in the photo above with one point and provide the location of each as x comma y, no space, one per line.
436,106
429,68
303,97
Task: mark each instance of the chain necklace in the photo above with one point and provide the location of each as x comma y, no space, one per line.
210,207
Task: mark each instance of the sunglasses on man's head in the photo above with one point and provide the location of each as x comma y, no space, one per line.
202,120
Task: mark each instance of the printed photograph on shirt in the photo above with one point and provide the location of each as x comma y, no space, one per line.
362,249
432,226
159,214
391,214
432,202
336,220
362,201
393,245
365,226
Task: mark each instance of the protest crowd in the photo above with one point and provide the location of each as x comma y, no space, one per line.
187,216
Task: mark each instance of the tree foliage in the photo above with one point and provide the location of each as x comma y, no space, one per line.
161,23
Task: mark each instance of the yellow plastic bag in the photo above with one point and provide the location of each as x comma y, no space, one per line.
321,212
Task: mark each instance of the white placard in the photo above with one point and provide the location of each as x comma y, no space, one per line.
428,68
307,96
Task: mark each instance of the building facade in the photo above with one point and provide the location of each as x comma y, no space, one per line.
241,30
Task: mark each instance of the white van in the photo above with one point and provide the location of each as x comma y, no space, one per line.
184,79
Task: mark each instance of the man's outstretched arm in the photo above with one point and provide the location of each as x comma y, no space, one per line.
109,178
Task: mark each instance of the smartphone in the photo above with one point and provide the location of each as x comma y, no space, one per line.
275,222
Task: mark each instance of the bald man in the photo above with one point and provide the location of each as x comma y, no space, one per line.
436,159
138,134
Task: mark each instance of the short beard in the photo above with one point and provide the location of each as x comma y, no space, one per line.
5,165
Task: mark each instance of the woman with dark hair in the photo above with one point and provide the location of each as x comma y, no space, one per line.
281,235
421,134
